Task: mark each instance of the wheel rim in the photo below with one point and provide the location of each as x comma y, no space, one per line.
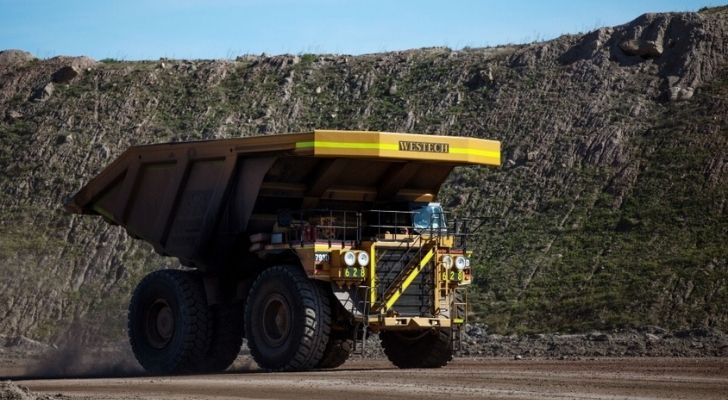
276,320
159,324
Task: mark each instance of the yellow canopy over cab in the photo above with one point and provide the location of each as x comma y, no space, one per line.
332,143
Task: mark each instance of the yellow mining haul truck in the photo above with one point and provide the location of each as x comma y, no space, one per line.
301,243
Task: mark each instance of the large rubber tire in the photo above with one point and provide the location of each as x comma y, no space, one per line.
287,320
169,324
341,344
226,337
337,351
429,349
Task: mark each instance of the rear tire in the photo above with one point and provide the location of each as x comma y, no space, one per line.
287,320
168,323
418,349
226,338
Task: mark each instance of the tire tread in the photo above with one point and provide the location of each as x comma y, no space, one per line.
194,320
317,320
434,350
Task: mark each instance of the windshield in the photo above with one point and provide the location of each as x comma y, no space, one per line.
429,216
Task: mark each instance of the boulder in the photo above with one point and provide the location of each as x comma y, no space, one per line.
13,115
81,63
62,139
72,67
393,89
651,337
642,48
43,93
677,93
12,57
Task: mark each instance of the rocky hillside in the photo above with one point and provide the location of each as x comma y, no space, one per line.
610,209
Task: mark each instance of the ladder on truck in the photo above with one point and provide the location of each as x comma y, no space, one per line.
422,257
361,327
417,261
459,316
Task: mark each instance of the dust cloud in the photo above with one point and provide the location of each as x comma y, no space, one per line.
77,354
77,360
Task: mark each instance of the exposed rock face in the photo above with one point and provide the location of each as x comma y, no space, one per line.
610,208
678,44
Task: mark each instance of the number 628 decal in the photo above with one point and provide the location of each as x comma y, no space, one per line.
355,272
453,276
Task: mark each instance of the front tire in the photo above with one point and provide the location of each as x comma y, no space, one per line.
418,349
337,351
168,323
287,320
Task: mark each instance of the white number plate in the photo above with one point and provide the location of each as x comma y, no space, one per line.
322,258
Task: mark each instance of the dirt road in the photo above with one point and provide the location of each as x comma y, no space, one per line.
638,378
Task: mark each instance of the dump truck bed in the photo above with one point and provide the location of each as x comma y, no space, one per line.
198,200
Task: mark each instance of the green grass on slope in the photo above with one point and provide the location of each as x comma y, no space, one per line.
660,257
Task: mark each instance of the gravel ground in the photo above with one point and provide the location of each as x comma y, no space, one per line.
491,378
25,357
648,363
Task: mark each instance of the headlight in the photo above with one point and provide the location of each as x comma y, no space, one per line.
363,258
467,262
350,258
447,261
460,263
